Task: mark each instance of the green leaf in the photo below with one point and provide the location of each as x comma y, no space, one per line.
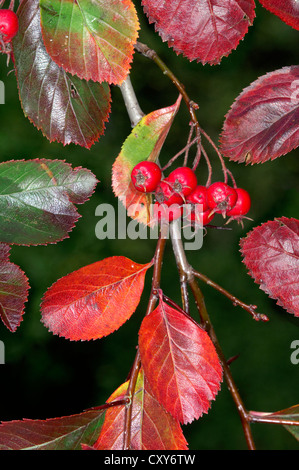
37,200
94,40
66,433
65,108
144,143
13,290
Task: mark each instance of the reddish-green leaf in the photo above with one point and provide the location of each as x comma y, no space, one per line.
65,108
144,143
180,363
13,290
289,414
202,30
95,300
94,40
66,433
37,200
286,10
271,254
263,122
152,428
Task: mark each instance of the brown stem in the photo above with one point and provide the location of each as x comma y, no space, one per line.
151,54
122,402
170,162
130,396
185,267
249,308
184,294
191,105
271,420
158,261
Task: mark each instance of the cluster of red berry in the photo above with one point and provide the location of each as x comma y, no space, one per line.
9,26
180,188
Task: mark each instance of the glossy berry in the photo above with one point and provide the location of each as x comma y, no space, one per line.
242,205
167,213
183,180
165,194
198,196
198,217
9,25
146,176
221,197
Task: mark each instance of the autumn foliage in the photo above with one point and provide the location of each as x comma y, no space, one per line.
66,57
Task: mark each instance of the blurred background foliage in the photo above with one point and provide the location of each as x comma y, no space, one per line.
47,376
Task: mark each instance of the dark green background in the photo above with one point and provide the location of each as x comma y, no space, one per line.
46,376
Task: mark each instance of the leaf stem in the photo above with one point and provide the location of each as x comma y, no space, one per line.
271,420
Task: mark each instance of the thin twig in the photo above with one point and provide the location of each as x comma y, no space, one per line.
191,105
172,160
235,301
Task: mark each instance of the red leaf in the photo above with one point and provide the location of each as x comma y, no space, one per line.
263,123
180,363
13,290
202,30
286,10
94,40
152,428
65,108
66,433
95,300
271,254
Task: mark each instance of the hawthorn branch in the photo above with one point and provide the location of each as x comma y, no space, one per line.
188,278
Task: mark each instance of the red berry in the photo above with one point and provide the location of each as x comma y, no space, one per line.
166,195
167,213
146,176
242,205
199,196
198,217
183,180
9,25
221,197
